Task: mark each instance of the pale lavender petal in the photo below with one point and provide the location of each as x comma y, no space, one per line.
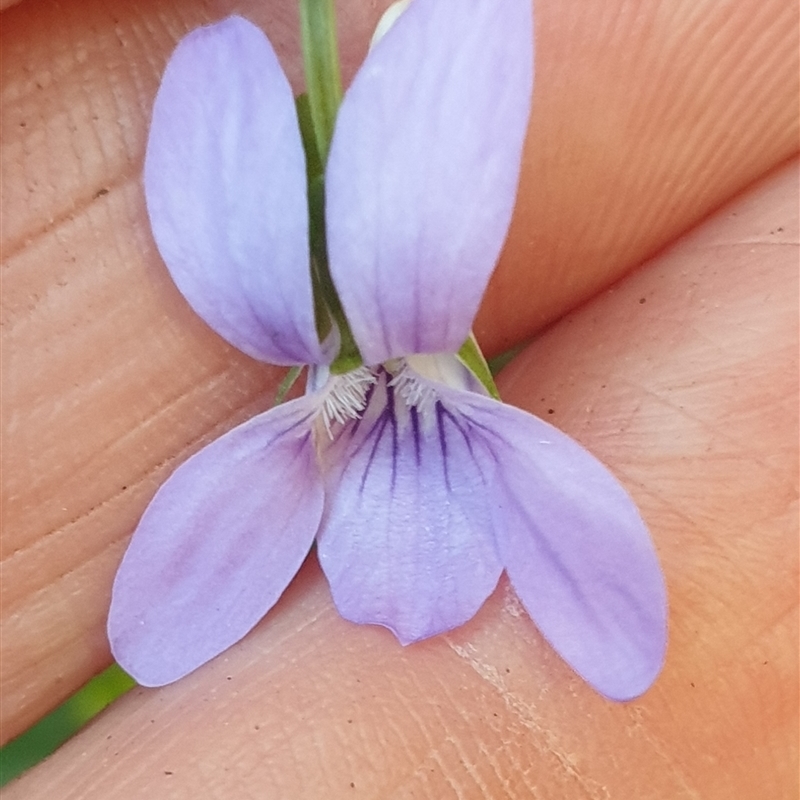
225,187
217,546
575,548
406,538
423,169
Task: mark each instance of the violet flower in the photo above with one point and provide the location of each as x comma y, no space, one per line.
418,487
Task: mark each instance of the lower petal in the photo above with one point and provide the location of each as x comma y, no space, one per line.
575,548
217,546
406,540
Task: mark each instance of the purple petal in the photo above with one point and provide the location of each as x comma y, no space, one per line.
225,186
575,548
406,540
217,546
423,171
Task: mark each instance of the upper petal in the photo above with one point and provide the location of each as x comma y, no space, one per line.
217,546
575,548
406,538
423,169
226,192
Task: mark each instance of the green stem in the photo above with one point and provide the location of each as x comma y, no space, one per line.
316,112
349,356
321,59
286,384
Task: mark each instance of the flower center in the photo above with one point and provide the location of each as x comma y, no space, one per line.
409,388
348,395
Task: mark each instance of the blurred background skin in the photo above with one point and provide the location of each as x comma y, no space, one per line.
661,131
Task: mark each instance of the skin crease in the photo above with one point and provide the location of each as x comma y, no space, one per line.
683,379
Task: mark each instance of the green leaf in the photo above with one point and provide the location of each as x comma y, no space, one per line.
50,732
472,357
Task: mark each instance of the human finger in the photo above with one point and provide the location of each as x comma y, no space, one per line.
683,379
112,381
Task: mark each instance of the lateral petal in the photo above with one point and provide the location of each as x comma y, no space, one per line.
423,170
575,548
406,538
225,185
217,546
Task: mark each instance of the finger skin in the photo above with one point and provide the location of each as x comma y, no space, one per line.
646,117
110,381
683,379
